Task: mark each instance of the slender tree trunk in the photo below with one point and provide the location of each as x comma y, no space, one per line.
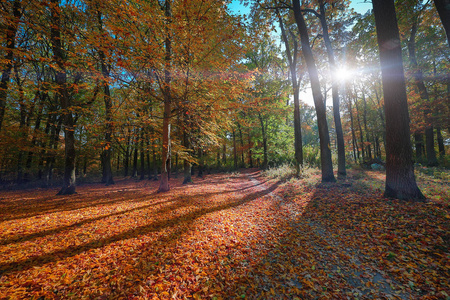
201,162
11,30
250,158
440,140
135,160
400,179
142,176
366,129
235,150
423,92
325,150
164,181
224,153
186,164
59,58
360,132
242,164
264,136
292,59
352,127
126,161
342,173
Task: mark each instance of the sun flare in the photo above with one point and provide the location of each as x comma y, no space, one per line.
344,74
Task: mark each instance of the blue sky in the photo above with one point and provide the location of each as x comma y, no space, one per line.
360,6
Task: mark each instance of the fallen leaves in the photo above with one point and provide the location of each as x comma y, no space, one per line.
220,238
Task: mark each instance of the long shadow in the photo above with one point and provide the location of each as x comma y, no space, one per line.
61,205
31,262
36,235
52,204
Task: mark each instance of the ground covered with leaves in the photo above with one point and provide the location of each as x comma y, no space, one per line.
226,236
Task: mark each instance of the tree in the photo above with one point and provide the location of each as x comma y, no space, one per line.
325,149
443,8
400,179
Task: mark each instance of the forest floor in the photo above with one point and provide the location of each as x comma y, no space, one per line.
226,236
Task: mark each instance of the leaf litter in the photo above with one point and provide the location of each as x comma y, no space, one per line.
223,237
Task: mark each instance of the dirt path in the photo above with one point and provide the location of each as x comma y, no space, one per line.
226,236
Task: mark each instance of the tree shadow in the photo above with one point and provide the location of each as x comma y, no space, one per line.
184,220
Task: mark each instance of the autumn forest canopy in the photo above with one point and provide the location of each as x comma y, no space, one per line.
98,90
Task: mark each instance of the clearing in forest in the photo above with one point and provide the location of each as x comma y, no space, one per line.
226,236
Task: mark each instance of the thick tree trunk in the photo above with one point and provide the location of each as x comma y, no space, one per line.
400,179
64,100
165,157
325,149
443,8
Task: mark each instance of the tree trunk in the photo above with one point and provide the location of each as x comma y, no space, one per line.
400,179
142,169
186,164
59,58
135,159
440,140
250,158
242,164
423,92
292,59
363,153
352,127
342,173
264,136
366,129
325,150
10,31
443,8
418,139
235,150
165,157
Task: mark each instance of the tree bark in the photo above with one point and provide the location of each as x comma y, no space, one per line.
164,181
325,149
107,176
11,31
443,8
342,173
59,58
292,60
264,136
423,92
400,179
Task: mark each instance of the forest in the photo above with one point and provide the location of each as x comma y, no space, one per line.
156,149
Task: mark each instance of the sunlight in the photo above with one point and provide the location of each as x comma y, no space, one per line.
344,74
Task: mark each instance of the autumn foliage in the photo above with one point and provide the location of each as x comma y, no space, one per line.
235,235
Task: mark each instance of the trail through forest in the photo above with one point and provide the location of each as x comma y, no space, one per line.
226,236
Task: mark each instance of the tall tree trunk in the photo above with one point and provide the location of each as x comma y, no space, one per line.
126,160
11,30
361,134
242,164
59,58
165,157
142,169
443,8
235,150
342,173
134,173
292,59
264,136
366,129
250,158
201,162
186,164
440,140
324,135
418,139
352,127
400,179
423,92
